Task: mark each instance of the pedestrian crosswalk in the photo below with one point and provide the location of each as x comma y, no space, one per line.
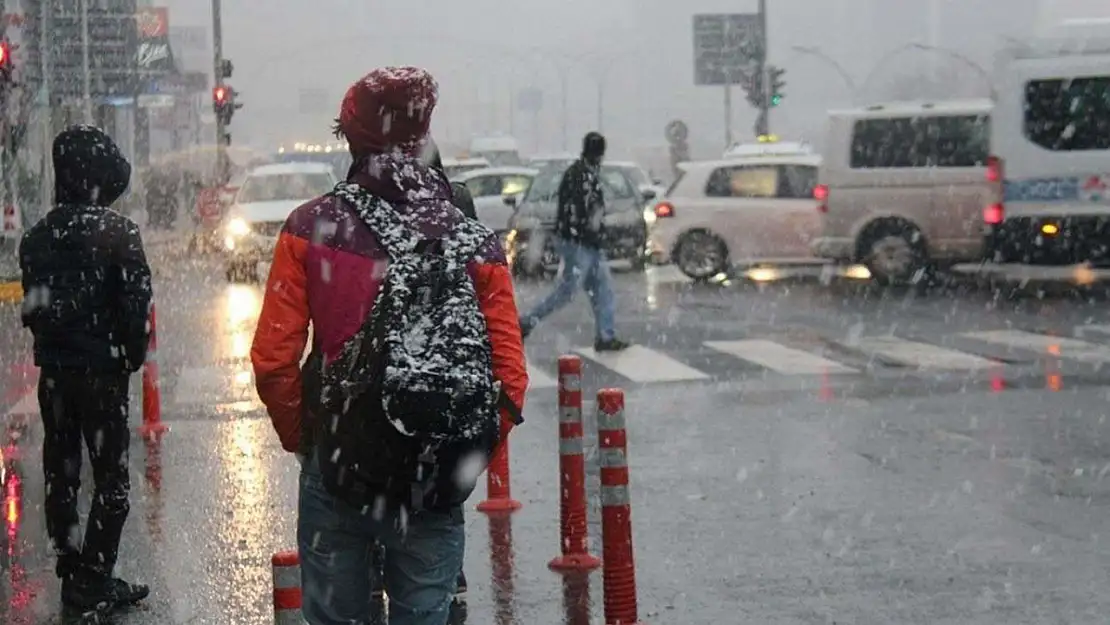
230,383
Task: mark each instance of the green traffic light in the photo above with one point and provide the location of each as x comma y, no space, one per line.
776,99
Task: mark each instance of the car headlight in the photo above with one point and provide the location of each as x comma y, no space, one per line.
238,227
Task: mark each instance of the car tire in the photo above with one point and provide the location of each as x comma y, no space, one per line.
895,253
700,255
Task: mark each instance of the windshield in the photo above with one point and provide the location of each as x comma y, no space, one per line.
637,176
282,187
614,184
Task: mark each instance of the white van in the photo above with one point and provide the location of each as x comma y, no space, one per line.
1050,202
902,186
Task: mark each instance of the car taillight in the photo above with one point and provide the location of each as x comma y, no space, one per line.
821,194
994,213
664,209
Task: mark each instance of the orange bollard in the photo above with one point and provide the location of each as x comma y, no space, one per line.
499,497
575,555
152,427
619,568
287,588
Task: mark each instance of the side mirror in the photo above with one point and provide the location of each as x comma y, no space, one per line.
509,200
648,194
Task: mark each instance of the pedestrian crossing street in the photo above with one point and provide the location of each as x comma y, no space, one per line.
230,386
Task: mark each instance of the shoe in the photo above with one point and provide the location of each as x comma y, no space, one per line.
525,330
86,593
610,345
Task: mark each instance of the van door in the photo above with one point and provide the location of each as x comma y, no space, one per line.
739,202
798,223
959,163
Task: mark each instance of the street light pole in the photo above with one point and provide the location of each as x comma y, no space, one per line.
86,70
763,124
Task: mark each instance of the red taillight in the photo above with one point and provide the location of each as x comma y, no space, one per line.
664,209
821,194
994,169
993,214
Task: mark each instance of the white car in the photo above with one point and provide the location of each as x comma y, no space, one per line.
490,187
649,186
267,197
457,166
738,212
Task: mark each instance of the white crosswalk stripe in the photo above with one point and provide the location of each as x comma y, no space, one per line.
920,355
779,358
1071,349
643,365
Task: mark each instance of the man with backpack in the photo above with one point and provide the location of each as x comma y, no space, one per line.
417,370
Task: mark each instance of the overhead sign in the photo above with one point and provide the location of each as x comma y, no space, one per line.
727,47
153,55
155,100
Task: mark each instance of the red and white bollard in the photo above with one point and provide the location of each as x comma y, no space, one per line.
499,496
573,532
619,568
152,428
287,588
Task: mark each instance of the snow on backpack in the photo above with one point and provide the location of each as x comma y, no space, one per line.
410,404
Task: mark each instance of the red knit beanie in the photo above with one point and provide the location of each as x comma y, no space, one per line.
390,108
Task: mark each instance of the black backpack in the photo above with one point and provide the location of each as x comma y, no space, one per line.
408,410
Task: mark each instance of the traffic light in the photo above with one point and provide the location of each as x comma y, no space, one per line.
223,102
777,83
226,69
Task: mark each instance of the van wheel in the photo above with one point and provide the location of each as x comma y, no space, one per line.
894,253
700,255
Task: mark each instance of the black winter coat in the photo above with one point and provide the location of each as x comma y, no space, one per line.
86,281
578,218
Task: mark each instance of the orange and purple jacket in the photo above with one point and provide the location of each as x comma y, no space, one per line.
327,269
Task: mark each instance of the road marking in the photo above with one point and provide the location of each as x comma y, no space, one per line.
779,358
1072,349
920,355
538,378
643,365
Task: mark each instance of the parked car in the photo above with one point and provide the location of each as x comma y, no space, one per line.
267,197
739,212
530,244
490,186
457,166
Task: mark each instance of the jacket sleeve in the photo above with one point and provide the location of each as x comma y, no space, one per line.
280,339
135,297
494,284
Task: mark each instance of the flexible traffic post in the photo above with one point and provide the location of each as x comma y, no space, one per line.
573,532
618,568
499,496
152,427
287,588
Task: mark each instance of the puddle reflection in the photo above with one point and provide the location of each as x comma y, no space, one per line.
502,565
576,598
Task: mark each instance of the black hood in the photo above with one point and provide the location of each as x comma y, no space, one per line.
89,168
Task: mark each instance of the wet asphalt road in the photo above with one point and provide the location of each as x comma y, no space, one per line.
871,489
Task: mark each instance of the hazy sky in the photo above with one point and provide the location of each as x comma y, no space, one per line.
483,51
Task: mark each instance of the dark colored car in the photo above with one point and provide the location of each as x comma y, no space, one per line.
531,244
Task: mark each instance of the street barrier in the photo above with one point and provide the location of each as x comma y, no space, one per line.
152,427
618,568
287,588
499,496
573,532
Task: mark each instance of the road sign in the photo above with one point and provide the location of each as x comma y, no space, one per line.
529,100
155,100
727,47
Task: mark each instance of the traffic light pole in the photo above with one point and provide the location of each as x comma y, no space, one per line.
223,172
763,123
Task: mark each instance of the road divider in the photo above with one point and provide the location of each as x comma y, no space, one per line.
287,588
499,496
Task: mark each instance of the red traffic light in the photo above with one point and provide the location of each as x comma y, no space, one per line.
5,54
219,95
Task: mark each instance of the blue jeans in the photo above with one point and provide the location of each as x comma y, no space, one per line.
336,543
586,268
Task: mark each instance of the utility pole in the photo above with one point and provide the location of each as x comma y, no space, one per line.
46,186
86,70
763,124
222,167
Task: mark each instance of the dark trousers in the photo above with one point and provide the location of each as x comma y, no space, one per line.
75,406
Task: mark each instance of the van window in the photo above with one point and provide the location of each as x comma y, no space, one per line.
911,142
798,182
759,181
1068,114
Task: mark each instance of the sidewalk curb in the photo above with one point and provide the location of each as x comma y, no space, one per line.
11,292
